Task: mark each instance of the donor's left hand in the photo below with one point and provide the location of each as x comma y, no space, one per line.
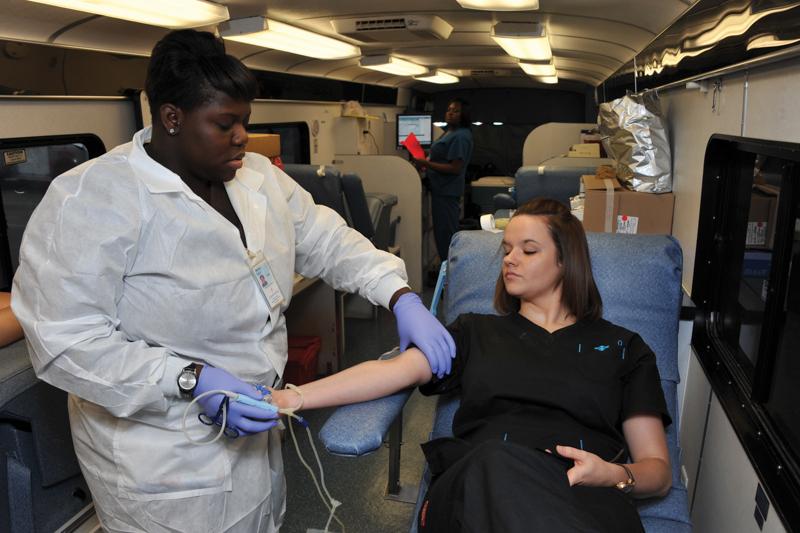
589,469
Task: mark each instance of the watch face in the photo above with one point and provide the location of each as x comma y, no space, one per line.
625,486
187,381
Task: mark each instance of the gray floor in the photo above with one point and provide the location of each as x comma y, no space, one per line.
359,483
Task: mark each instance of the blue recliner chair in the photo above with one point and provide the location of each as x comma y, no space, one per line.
639,278
558,178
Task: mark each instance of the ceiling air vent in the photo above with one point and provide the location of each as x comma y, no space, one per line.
394,29
489,72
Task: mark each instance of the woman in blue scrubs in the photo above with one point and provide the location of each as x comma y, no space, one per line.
446,169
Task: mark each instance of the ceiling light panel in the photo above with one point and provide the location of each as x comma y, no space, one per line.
392,65
500,5
438,76
547,79
538,69
172,14
523,40
268,33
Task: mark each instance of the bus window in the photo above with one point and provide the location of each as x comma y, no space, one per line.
295,145
27,167
747,289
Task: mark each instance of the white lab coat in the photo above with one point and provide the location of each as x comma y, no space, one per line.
126,276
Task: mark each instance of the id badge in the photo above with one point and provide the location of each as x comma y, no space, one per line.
262,274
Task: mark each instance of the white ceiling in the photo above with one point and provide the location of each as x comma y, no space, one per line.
590,39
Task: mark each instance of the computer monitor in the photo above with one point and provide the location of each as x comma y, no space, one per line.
420,125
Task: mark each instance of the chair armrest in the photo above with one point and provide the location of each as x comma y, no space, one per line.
359,429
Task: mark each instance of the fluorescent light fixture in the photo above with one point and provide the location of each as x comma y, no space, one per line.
268,33
523,40
547,79
734,24
497,123
539,69
500,5
392,65
768,41
477,123
172,14
440,124
437,76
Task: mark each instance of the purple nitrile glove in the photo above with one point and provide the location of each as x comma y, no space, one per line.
245,418
416,325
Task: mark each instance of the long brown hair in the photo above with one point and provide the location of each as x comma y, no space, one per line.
579,294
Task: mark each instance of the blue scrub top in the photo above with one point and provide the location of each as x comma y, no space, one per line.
456,144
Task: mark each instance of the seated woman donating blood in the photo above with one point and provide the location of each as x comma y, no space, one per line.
555,400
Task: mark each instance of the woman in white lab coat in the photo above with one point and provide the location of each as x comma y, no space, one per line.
139,268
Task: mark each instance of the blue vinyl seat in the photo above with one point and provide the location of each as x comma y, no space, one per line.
323,182
639,278
558,178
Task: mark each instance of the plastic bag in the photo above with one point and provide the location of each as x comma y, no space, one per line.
635,134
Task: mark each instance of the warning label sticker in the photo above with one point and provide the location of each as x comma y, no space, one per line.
626,224
14,157
756,234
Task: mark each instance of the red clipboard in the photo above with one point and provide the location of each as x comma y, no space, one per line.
411,144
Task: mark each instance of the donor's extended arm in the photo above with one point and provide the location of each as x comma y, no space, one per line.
360,383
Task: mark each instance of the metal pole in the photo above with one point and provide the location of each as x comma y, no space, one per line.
395,438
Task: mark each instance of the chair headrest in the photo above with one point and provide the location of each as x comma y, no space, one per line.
323,182
638,276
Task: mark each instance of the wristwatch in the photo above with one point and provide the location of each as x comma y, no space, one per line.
187,380
627,485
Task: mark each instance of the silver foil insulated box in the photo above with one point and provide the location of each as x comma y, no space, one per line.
634,133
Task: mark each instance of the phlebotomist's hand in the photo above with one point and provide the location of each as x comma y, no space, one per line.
245,418
416,325
421,163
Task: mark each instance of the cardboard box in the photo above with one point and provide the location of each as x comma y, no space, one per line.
761,219
627,211
267,144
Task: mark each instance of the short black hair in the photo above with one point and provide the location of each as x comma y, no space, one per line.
188,67
466,113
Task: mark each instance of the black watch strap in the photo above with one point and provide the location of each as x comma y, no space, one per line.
187,380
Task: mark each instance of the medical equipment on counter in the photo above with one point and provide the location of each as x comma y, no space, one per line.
222,417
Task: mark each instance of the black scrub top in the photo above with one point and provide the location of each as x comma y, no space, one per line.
575,386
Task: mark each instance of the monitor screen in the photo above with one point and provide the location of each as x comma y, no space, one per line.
420,125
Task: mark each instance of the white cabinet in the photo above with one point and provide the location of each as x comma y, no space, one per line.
695,395
724,500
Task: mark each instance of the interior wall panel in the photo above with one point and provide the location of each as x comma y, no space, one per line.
110,119
692,117
770,112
